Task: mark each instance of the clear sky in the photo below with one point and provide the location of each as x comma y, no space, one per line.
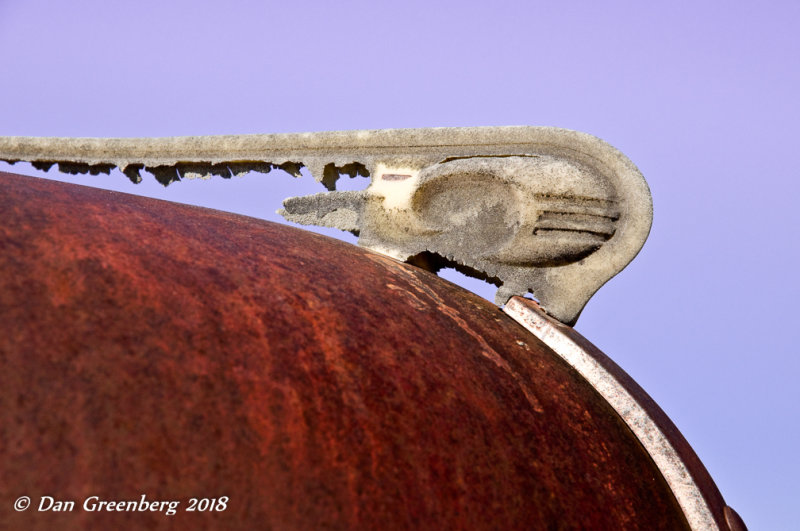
702,96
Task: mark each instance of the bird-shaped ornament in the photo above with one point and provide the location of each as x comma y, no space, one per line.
541,210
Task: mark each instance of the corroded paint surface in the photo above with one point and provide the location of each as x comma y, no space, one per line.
161,349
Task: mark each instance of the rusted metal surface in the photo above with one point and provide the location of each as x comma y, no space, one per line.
733,520
167,350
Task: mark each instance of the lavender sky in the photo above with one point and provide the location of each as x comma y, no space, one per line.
702,96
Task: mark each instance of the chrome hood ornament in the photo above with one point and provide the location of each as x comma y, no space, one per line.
532,209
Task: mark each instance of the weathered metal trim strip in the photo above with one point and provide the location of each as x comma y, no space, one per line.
682,470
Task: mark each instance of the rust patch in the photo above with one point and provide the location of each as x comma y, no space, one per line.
150,347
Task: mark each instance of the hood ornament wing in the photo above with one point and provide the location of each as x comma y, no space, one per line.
543,210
